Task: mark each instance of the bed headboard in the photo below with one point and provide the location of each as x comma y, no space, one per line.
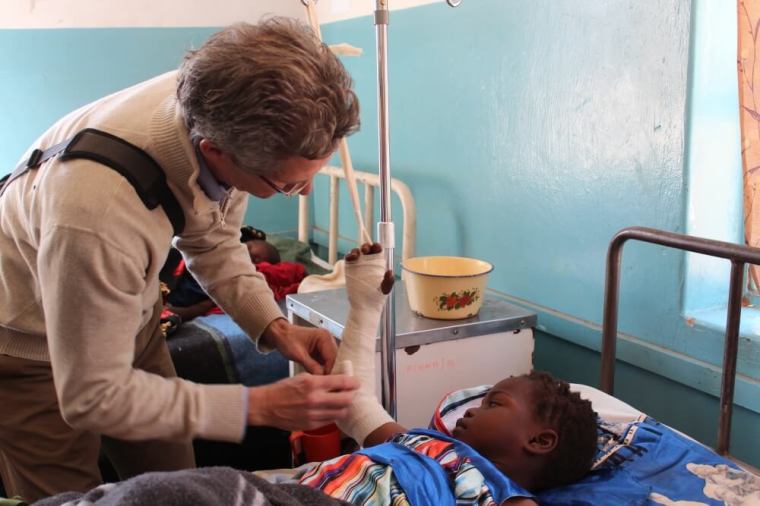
739,255
370,182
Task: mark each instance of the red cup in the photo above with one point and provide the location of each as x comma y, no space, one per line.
315,445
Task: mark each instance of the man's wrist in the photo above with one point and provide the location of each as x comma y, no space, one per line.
256,414
273,332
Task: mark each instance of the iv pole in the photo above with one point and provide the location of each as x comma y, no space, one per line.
385,231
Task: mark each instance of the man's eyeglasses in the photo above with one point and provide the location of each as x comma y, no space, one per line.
289,189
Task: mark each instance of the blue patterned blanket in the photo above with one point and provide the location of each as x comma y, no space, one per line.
640,462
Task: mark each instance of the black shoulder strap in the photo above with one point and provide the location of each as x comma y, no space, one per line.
137,166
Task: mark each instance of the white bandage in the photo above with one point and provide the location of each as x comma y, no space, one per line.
357,347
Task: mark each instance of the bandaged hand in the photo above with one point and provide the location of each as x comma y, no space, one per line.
368,283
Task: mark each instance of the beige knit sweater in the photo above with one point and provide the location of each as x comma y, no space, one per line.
79,262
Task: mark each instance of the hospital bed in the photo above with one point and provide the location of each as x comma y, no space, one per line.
639,460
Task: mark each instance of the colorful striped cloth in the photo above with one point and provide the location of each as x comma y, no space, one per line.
417,467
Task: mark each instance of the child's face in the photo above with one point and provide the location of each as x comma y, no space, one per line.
503,423
258,251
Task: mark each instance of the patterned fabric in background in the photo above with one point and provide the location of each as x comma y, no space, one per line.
749,116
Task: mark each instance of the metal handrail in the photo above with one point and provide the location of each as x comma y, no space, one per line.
738,255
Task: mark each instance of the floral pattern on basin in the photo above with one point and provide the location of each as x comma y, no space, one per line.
457,300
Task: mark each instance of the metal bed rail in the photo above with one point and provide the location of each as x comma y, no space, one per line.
370,182
739,256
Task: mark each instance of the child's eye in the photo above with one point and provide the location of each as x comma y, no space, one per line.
492,404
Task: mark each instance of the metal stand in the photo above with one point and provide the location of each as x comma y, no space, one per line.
385,231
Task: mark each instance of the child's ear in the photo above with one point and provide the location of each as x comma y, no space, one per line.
542,442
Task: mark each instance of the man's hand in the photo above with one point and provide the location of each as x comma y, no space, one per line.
302,402
313,348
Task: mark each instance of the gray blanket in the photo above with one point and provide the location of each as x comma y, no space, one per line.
207,486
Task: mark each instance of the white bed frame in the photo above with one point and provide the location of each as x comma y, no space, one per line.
369,182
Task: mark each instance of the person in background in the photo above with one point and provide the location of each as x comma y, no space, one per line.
256,110
258,248
283,277
187,299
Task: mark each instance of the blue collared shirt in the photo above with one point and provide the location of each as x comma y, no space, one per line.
212,187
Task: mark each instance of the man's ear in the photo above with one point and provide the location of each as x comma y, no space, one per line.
217,161
542,442
209,149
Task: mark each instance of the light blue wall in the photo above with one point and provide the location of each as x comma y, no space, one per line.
46,73
529,133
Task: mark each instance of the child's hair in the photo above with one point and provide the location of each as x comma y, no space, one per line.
270,254
576,425
248,233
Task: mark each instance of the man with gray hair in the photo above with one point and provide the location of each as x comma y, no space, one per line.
258,109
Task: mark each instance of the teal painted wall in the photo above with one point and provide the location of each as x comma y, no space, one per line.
529,150
44,74
531,132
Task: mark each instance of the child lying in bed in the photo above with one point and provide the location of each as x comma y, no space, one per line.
530,433
188,300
